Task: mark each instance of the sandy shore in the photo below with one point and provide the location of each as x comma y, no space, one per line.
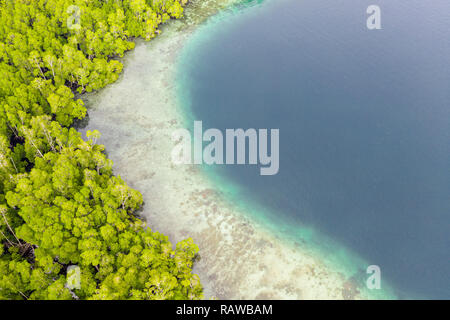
239,259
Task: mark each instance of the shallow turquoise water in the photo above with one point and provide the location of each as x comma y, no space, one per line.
364,125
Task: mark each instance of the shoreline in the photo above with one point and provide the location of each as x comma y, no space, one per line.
240,259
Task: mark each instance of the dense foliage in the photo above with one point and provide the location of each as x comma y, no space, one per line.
60,204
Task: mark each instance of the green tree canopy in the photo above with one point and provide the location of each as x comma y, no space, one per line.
60,204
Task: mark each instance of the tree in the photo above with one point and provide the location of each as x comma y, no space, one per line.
60,203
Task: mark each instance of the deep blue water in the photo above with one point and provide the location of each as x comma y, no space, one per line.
364,119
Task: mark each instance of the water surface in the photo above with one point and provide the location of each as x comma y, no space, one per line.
364,119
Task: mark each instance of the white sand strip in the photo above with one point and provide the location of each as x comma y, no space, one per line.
239,260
